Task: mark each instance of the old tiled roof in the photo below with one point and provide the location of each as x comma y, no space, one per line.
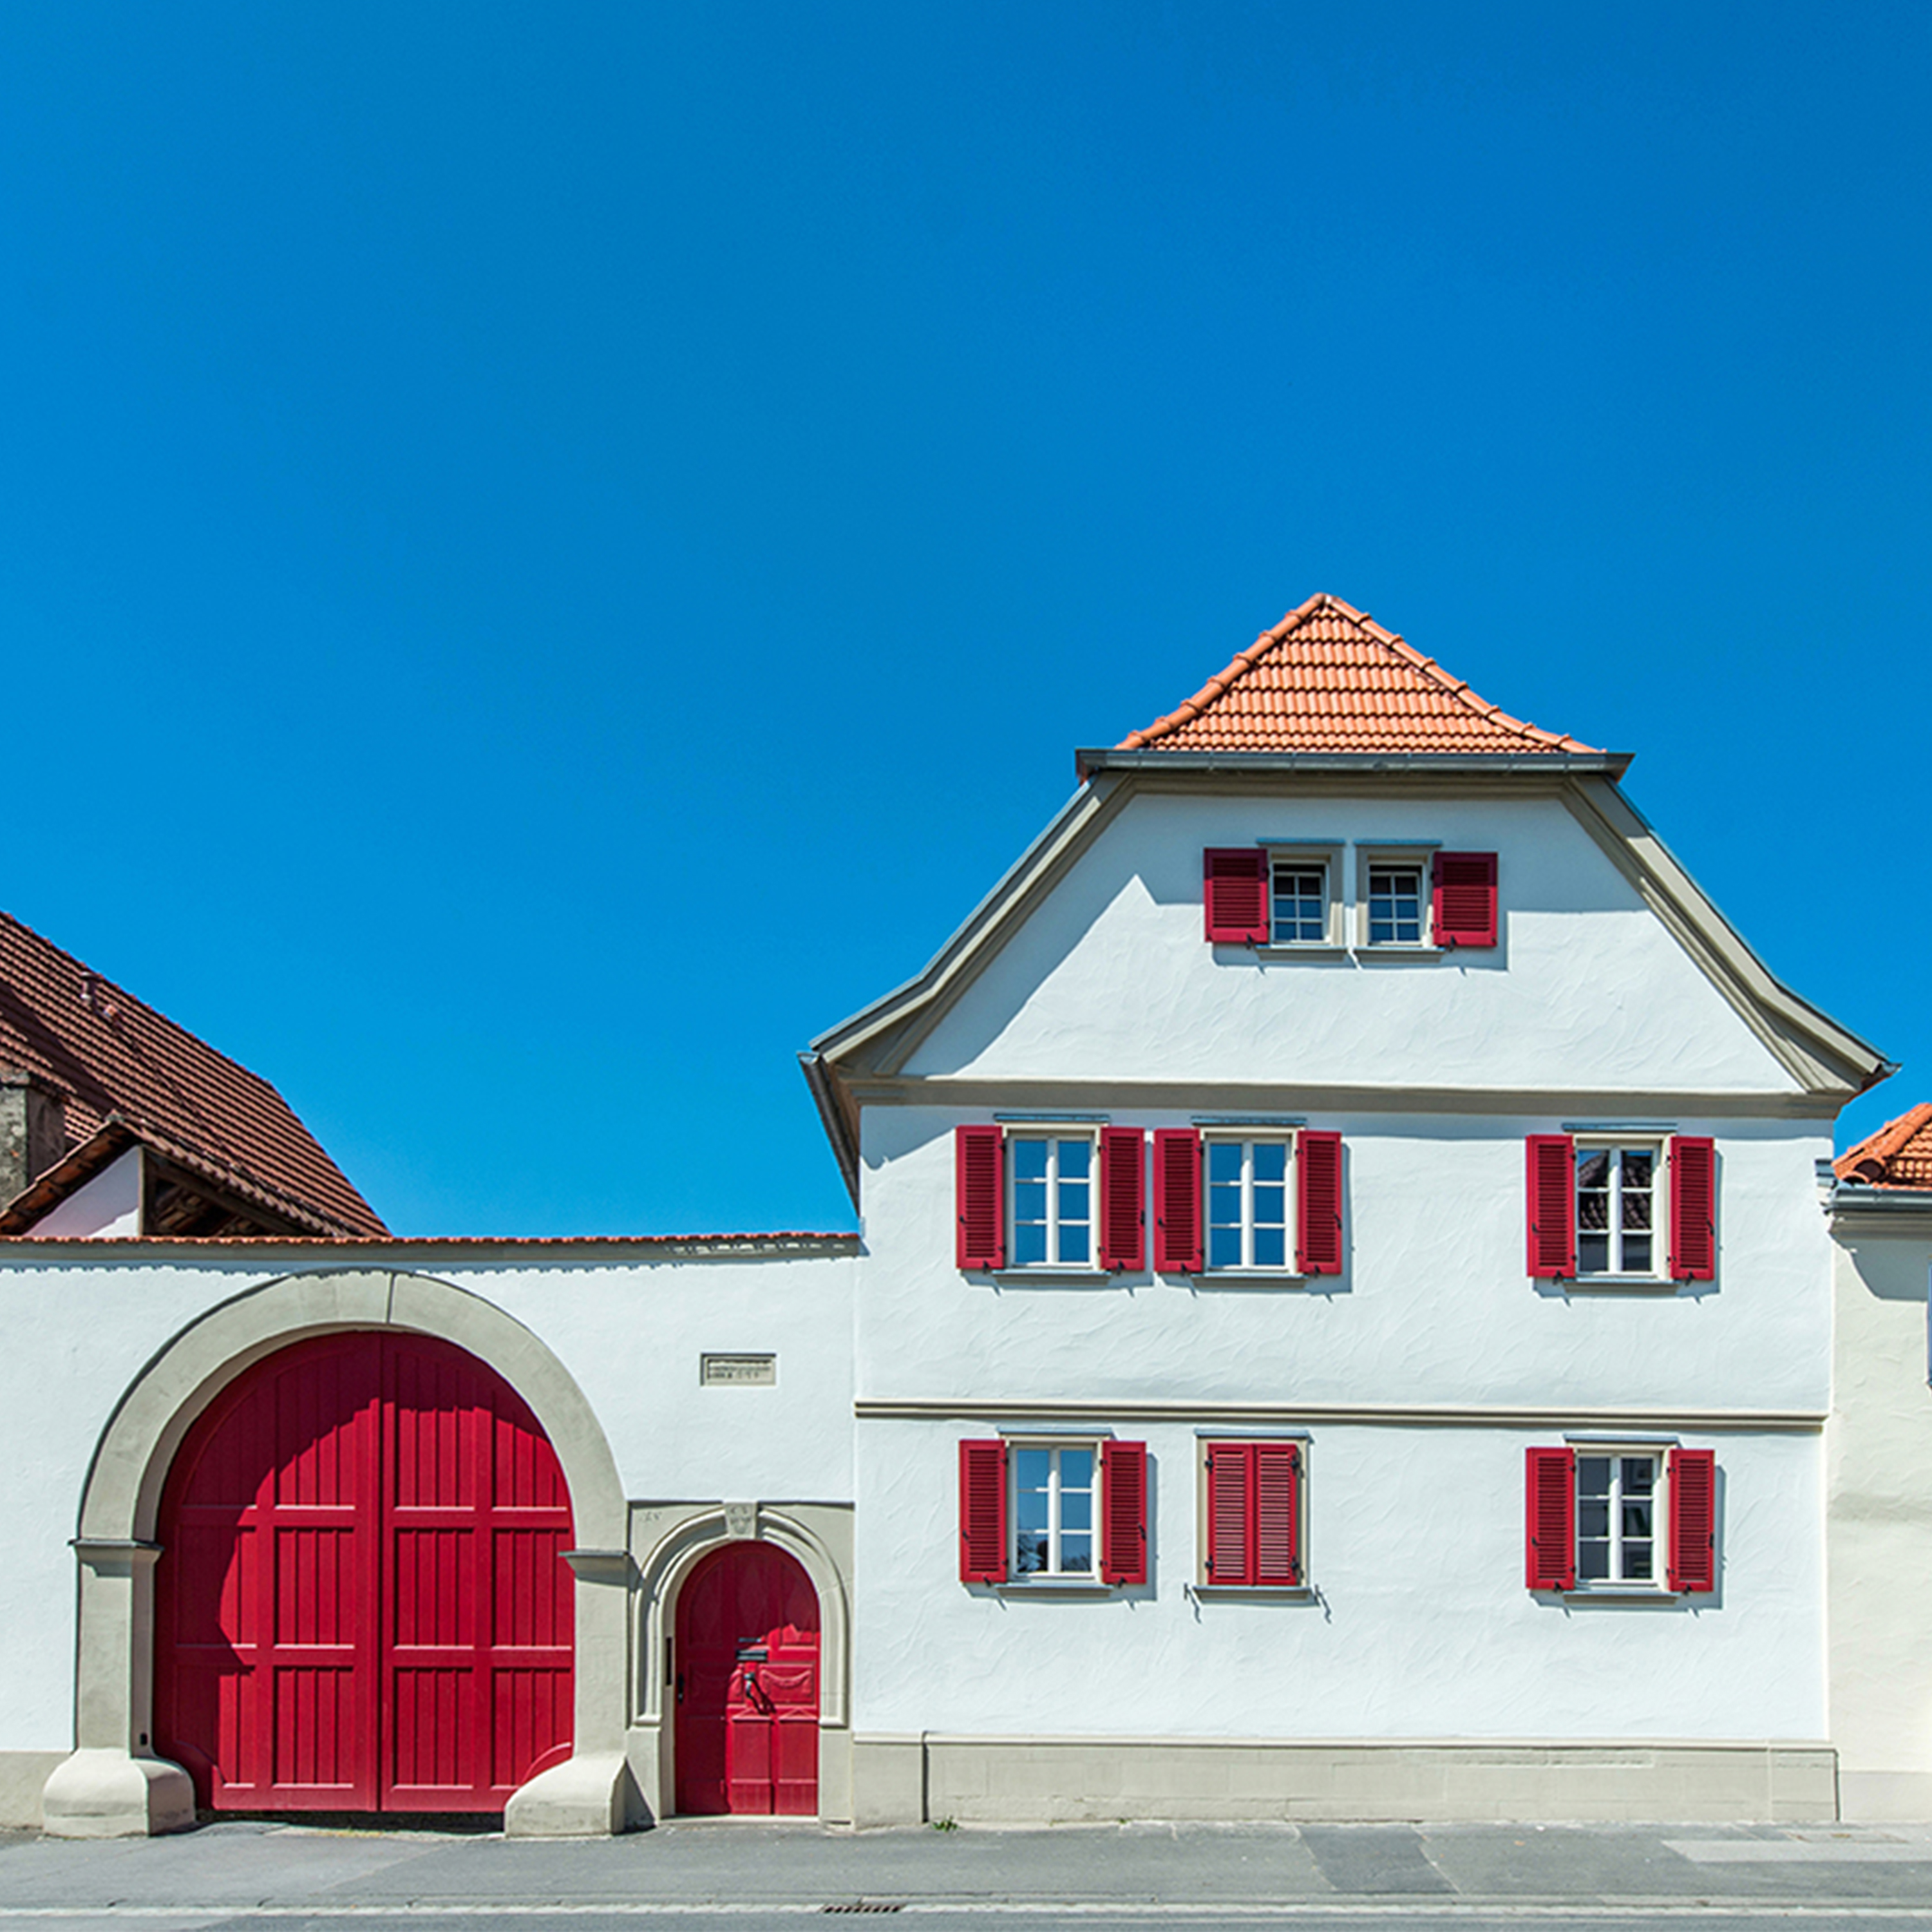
117,1065
1899,1155
1328,678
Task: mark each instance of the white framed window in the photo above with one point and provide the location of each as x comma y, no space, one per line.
1304,896
1395,901
1051,1200
1620,1207
1248,1223
1055,1493
1620,1523
1299,902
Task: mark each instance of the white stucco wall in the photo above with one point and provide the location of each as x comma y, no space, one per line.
1111,979
106,1208
1419,1626
1880,1520
1434,1304
630,1333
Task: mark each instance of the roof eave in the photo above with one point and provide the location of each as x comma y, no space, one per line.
839,1129
1611,765
1852,1197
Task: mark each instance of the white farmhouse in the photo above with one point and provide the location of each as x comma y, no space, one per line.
1342,1327
1879,1479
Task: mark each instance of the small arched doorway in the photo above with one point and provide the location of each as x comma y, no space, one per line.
745,1668
361,1603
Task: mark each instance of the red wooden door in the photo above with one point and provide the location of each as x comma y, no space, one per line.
745,1669
360,1600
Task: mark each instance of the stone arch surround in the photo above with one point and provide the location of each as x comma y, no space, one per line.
113,1786
664,1570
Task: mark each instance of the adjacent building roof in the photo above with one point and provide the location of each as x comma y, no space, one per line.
1899,1155
1329,678
123,1072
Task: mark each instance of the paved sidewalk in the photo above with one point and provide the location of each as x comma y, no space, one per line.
238,1869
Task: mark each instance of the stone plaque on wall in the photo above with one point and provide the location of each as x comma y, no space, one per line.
738,1371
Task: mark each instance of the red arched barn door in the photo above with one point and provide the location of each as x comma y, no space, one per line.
361,1603
745,1662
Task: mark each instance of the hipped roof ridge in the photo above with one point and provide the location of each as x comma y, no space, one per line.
1325,603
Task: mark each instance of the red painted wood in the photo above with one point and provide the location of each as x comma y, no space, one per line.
1234,893
1464,913
1319,1192
1254,1514
1177,1201
1230,1544
745,1671
1549,1531
1694,1208
1693,1520
979,1176
982,1511
1277,1515
1551,1190
361,1602
1123,1489
1123,1183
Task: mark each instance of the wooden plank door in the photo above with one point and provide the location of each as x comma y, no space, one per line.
265,1627
477,1655
361,1601
745,1673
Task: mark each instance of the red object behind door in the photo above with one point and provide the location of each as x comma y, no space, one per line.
362,1602
746,1666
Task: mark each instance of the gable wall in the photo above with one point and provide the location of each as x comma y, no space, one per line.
1406,1374
1111,978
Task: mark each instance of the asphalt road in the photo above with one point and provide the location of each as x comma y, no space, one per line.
762,1877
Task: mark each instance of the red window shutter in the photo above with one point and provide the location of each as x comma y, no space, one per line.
1123,1183
1318,1186
1230,1547
1694,1208
982,1512
980,1188
1553,1206
1464,909
1693,1520
1550,1536
1234,889
1123,1525
1277,1486
1177,1201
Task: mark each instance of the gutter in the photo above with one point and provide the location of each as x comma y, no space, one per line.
1852,1197
1611,765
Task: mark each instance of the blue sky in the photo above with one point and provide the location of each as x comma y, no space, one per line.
550,553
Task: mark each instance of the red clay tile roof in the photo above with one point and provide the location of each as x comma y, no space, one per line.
1899,1155
109,1055
1328,678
